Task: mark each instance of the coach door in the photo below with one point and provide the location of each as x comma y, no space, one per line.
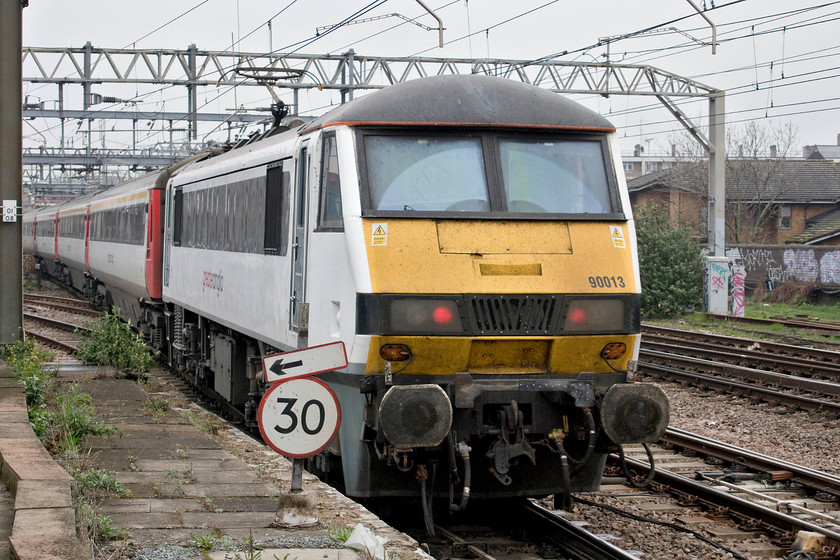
87,238
298,314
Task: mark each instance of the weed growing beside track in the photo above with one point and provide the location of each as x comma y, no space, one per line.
63,417
110,341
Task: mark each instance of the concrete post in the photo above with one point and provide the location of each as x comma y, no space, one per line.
717,281
717,178
11,170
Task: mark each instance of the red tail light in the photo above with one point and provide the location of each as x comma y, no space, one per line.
432,316
594,315
577,317
442,315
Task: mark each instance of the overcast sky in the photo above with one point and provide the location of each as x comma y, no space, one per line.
777,60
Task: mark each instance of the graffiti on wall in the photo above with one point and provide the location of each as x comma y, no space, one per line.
801,265
739,290
830,268
774,264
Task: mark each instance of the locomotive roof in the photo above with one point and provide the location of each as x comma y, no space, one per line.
464,100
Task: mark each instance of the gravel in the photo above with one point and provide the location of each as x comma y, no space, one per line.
805,438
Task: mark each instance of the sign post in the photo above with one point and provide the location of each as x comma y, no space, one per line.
300,415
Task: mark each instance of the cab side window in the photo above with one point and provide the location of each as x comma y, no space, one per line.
278,179
329,206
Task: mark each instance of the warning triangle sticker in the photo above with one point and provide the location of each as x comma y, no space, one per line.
379,231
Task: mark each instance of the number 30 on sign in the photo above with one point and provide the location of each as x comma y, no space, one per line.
299,418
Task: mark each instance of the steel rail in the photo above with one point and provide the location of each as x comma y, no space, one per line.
739,507
793,365
567,536
795,401
474,550
41,297
51,341
67,308
770,378
719,340
61,325
811,478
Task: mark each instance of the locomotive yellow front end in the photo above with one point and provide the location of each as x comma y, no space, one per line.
503,309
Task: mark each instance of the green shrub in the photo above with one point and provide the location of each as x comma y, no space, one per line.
670,264
111,341
28,366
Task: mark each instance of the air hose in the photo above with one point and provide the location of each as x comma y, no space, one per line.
626,471
593,436
464,451
566,503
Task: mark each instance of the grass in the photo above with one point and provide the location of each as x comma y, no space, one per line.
824,313
209,426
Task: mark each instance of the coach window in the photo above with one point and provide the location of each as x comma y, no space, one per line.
278,179
329,206
178,208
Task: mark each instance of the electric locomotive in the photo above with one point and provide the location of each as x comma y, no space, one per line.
468,238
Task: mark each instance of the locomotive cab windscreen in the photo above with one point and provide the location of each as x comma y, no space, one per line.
488,173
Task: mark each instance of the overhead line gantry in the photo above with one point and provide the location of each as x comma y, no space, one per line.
349,72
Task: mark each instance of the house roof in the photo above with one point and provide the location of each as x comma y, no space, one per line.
787,181
818,229
825,151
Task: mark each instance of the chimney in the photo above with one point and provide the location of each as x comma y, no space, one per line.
838,139
773,151
674,148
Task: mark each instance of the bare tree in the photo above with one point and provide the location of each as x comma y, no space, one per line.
757,177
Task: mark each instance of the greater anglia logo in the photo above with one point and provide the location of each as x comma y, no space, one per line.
212,281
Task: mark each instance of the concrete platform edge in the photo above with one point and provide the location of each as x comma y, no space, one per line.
24,460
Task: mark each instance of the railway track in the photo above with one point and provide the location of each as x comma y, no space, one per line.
517,528
769,356
59,335
60,331
820,327
803,379
766,394
753,506
759,493
749,346
68,305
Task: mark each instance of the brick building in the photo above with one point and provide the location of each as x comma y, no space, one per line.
768,201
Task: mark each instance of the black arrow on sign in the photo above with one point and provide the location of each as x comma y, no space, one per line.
278,366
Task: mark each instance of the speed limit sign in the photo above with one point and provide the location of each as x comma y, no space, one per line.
298,418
